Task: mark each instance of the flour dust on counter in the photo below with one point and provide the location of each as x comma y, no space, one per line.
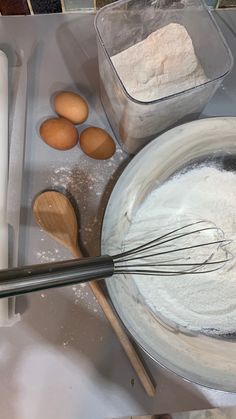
90,183
86,182
197,302
47,256
81,293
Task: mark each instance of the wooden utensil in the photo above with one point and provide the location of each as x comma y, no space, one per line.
55,214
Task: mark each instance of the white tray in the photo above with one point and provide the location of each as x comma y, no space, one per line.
13,80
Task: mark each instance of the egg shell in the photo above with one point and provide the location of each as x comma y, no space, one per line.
59,133
97,143
71,106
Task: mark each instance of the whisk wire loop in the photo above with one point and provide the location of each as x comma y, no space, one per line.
141,259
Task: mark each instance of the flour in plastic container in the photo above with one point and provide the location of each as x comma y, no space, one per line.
162,64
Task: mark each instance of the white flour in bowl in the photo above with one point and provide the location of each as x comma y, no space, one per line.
162,64
202,302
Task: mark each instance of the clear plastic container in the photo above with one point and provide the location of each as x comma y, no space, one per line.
126,22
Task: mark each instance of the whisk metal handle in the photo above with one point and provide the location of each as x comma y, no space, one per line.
31,278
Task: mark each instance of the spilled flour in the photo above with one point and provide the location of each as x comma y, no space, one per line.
89,182
201,302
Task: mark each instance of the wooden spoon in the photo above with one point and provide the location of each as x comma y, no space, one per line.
55,214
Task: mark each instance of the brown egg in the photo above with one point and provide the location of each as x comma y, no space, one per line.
71,106
97,143
59,133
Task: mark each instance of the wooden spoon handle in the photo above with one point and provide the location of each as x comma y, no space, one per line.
120,333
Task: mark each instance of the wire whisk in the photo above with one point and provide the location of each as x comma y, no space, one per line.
195,248
198,247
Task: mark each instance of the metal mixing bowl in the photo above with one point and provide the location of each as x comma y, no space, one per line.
204,360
